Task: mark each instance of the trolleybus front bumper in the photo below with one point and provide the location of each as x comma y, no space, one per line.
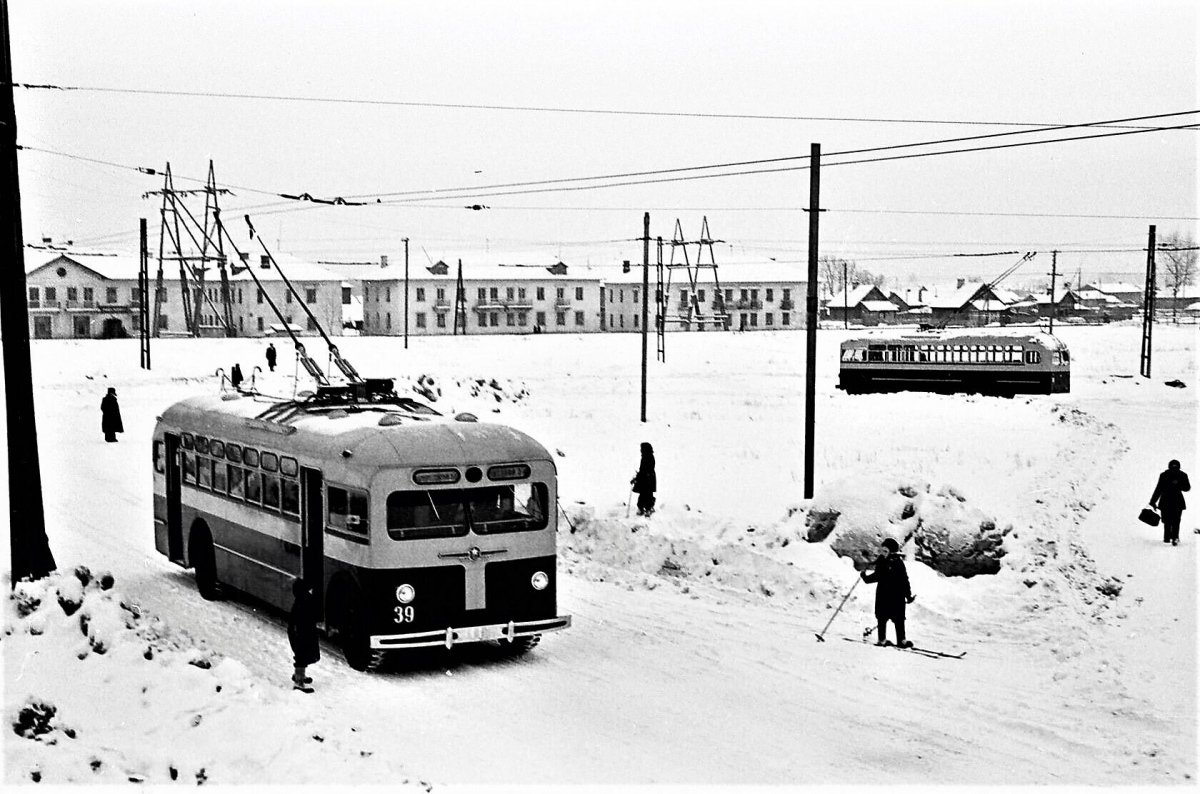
451,636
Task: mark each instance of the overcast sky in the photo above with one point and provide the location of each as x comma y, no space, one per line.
669,86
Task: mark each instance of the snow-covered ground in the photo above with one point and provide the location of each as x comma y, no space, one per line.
693,657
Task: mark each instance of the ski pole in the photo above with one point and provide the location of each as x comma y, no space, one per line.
628,502
821,636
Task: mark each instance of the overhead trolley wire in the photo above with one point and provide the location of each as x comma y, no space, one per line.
528,108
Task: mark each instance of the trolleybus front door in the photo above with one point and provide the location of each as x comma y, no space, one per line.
312,505
174,509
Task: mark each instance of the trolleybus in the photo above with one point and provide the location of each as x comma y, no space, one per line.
415,529
969,360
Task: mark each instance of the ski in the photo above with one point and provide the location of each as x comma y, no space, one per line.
919,651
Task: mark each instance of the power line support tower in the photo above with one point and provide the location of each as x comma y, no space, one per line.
1148,307
810,384
144,296
720,313
645,302
176,220
660,307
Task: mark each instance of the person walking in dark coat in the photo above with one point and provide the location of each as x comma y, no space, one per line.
271,356
235,376
302,633
110,416
892,592
644,482
1168,498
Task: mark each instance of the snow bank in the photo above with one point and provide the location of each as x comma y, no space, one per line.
98,692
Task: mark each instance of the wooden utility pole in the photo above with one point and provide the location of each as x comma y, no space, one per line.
810,385
406,293
645,303
31,557
1053,278
846,295
143,309
1148,307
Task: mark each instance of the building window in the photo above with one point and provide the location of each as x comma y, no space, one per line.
347,294
287,297
612,321
754,319
89,295
310,294
135,295
260,323
770,296
561,293
509,319
610,295
787,296
51,294
541,293
387,295
312,323
508,293
388,319
420,294
441,320
744,296
162,322
494,293
420,319
635,321
770,318
560,318
579,315
522,318
540,318
521,294
700,296
110,295
33,294
483,320
482,293
260,299
622,320
786,318
72,294
683,296
635,296
579,295
753,294
441,294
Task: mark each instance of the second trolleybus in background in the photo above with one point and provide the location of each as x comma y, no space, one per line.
415,529
996,362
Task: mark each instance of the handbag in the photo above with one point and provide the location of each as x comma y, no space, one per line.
1148,516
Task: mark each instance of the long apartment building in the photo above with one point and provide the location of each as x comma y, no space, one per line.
83,296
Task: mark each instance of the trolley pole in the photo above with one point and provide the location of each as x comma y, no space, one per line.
1053,278
29,547
810,385
645,302
406,293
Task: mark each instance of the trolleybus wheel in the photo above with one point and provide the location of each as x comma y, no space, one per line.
204,560
353,637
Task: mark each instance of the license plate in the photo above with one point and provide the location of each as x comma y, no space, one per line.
477,633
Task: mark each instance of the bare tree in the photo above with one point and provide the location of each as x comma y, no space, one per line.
836,273
1178,257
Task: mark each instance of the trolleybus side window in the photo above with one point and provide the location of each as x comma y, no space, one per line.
220,483
158,457
186,441
270,461
233,452
288,467
189,467
347,511
250,457
253,487
518,507
202,444
217,449
203,472
426,514
237,482
1033,357
290,501
875,353
270,491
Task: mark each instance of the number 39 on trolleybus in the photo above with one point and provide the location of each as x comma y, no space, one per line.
415,530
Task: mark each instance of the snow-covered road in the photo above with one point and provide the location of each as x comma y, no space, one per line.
672,679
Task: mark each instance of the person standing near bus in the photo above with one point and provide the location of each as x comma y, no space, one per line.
110,416
271,355
892,591
235,376
645,483
302,633
1168,498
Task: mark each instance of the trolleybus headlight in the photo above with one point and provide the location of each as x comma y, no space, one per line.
540,580
405,593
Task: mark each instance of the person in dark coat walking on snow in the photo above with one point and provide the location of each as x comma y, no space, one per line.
235,376
271,356
302,633
645,483
1168,498
892,592
110,416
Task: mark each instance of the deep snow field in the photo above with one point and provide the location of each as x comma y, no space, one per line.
693,657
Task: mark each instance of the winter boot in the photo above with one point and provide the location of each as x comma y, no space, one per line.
904,644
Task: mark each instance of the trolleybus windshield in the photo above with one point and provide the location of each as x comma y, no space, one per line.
519,507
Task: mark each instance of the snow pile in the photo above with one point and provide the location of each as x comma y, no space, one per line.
98,692
476,393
